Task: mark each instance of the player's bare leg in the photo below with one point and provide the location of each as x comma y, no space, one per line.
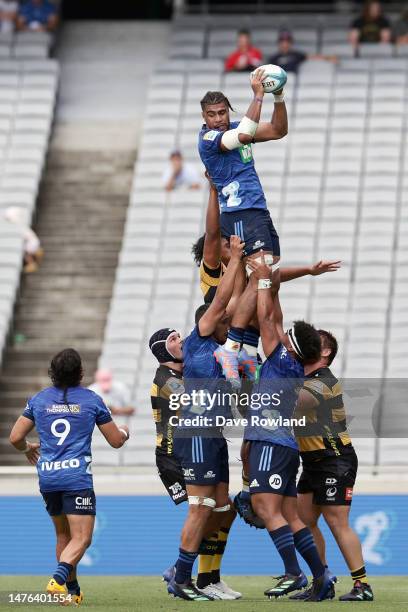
81,529
63,534
242,501
309,513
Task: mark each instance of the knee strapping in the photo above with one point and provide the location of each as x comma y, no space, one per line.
222,508
269,262
197,500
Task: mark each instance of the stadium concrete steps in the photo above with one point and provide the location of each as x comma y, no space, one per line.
81,212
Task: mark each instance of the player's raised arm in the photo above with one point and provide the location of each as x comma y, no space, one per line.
212,239
215,312
21,429
268,308
321,267
244,133
278,126
114,435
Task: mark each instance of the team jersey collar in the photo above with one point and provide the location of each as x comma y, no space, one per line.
317,373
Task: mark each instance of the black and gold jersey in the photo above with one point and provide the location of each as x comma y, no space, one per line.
166,383
325,433
210,279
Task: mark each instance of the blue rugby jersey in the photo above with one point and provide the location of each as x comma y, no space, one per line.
280,374
232,172
65,432
201,372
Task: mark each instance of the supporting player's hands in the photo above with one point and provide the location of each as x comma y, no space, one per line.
321,267
256,82
260,269
124,429
236,247
32,452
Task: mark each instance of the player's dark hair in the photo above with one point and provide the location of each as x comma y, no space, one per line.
66,369
215,97
309,341
330,342
197,250
201,310
244,32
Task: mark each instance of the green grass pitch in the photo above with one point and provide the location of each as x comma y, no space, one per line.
148,594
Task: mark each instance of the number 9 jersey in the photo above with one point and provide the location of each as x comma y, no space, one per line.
65,423
232,172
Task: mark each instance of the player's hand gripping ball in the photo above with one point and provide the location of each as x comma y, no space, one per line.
275,78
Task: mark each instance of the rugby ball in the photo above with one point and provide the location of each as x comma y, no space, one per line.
275,78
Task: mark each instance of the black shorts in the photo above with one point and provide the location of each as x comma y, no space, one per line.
272,468
171,475
331,479
70,502
204,460
254,226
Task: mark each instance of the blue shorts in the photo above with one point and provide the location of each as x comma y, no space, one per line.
204,460
254,226
273,468
70,502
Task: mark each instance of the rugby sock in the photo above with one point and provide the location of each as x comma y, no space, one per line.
62,572
245,487
73,587
184,565
234,339
251,340
306,546
283,540
360,574
221,544
205,560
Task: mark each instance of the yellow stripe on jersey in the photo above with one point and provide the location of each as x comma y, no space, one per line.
210,277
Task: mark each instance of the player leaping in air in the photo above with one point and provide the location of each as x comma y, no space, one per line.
225,150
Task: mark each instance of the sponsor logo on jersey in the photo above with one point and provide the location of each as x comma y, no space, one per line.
275,481
209,474
331,481
64,409
349,493
258,244
331,492
246,153
188,474
50,466
211,135
254,483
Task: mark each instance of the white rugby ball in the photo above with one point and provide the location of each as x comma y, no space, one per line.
275,78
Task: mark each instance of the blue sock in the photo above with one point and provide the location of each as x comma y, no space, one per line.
283,540
73,587
184,565
306,546
251,336
245,495
236,334
62,572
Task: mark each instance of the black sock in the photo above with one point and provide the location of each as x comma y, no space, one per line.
359,574
62,572
73,587
215,576
306,546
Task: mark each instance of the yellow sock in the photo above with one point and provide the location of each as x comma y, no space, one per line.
359,574
217,559
205,560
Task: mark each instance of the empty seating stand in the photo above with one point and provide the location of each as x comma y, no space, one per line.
336,187
27,98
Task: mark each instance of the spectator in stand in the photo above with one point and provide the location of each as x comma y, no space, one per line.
401,28
33,253
114,393
37,16
178,174
289,58
8,15
246,57
371,27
